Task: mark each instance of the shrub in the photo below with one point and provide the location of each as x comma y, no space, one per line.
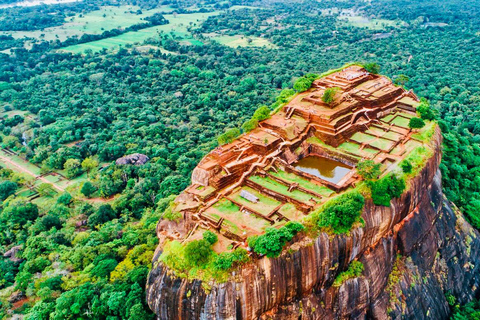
104,214
368,169
197,253
372,67
227,260
66,198
272,241
354,270
210,237
7,188
228,136
329,95
416,123
386,188
406,166
261,113
342,212
424,110
304,83
249,125
88,189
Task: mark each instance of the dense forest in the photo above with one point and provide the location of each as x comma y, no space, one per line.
85,252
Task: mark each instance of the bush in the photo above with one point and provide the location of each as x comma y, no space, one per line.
329,95
354,270
88,189
342,212
372,67
416,123
104,214
272,241
304,83
226,260
66,198
386,188
228,136
368,169
197,253
249,125
406,166
424,110
261,113
7,188
210,237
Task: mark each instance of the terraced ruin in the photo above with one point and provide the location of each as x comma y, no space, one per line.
297,159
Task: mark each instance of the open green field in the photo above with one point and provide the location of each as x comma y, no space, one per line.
265,205
382,144
95,22
237,220
288,210
304,183
177,27
283,189
389,117
354,148
240,41
392,135
401,122
361,137
17,162
365,22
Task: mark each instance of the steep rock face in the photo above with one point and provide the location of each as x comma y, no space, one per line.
414,252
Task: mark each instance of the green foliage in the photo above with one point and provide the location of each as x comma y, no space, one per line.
406,166
227,260
104,214
340,213
262,113
88,189
354,270
469,311
272,241
7,188
386,188
198,253
372,67
228,136
73,168
329,95
416,123
249,125
425,111
65,198
210,237
369,170
304,83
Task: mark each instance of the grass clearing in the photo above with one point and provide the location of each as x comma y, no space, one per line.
264,205
304,183
373,24
288,210
95,22
241,41
401,122
389,117
426,133
283,189
361,137
382,144
177,27
392,135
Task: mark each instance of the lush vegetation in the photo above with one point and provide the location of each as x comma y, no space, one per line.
272,241
354,270
169,102
340,213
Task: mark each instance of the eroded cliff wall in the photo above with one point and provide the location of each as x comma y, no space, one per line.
414,252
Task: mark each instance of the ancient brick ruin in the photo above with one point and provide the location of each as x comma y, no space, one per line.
258,181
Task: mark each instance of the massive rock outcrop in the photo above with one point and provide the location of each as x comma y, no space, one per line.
415,252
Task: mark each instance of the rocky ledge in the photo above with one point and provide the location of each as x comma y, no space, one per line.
415,253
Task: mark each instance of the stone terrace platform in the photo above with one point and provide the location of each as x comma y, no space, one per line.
253,183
